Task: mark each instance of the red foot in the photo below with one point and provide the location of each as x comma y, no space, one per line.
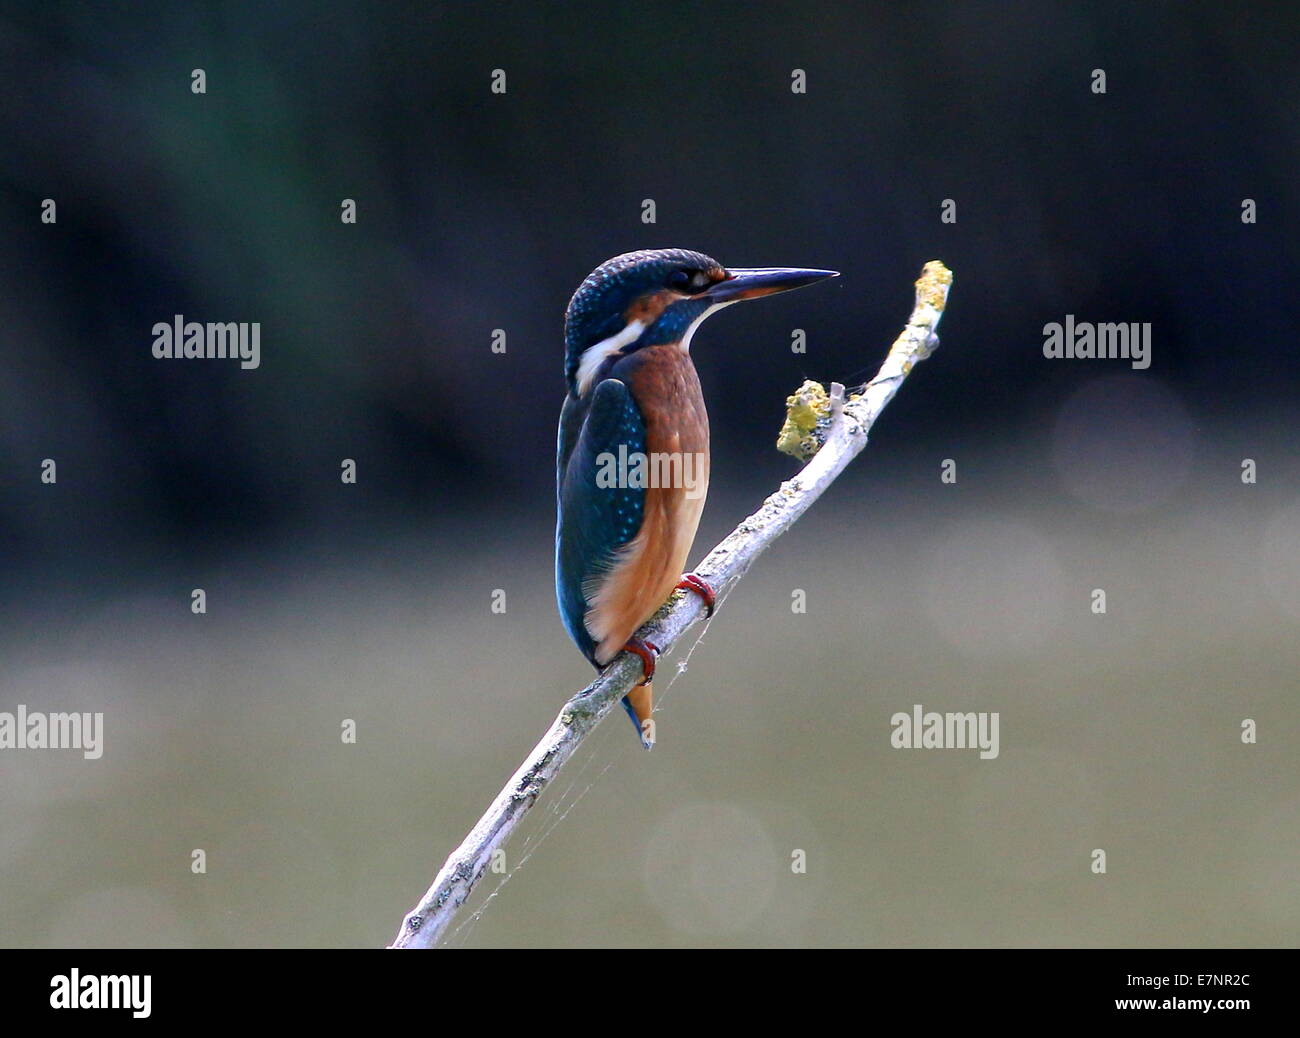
690,582
647,652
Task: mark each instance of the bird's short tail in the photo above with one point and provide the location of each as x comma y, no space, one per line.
639,704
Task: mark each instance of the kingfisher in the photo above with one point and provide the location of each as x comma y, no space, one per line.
632,457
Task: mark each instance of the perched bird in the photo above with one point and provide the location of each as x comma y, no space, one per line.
632,465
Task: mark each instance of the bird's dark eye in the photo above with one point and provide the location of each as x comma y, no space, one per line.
688,280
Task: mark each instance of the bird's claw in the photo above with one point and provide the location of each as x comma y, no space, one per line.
690,582
646,652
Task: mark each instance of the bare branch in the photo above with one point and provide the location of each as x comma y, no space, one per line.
827,424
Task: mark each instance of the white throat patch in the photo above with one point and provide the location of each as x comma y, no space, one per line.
594,356
690,329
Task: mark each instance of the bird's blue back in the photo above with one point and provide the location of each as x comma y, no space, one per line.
593,522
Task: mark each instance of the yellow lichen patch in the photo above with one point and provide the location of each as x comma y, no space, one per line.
805,409
932,285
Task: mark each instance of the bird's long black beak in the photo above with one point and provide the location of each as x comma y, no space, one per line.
752,282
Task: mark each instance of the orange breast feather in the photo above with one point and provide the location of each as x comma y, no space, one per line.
667,391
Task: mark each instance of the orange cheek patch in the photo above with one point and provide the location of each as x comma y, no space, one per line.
648,308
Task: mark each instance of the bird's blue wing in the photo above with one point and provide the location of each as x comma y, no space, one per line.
594,520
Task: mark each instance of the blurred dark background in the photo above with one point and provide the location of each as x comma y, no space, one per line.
477,212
